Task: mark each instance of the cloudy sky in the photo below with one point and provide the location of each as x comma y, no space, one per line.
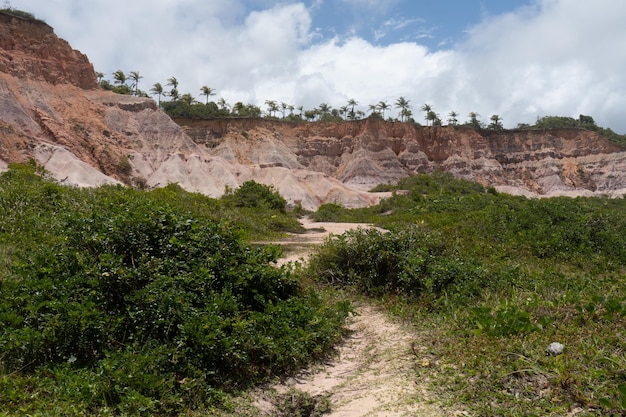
520,59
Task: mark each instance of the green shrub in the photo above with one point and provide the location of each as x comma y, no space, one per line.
131,304
254,195
410,261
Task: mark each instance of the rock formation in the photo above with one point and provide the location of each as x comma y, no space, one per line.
368,152
52,110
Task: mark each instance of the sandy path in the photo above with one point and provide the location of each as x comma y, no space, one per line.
373,373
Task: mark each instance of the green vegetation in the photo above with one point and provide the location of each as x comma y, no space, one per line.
7,9
583,122
489,281
115,301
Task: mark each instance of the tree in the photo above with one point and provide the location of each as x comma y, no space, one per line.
323,109
223,105
99,76
135,77
428,109
119,77
173,82
452,120
383,106
344,110
157,89
188,99
207,91
352,102
473,121
433,118
272,107
496,122
284,106
403,104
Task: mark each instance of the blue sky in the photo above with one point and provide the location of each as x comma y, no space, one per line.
520,59
437,24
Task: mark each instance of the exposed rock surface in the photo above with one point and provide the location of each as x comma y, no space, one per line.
52,110
368,152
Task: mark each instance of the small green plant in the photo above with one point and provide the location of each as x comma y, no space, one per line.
296,403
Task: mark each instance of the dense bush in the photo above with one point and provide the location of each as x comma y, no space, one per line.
410,261
251,194
134,306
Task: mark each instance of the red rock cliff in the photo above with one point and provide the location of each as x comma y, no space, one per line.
30,49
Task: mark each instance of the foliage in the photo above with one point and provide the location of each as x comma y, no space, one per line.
490,280
118,301
20,13
583,122
253,195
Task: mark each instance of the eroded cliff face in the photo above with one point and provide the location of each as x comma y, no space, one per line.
51,110
369,152
30,49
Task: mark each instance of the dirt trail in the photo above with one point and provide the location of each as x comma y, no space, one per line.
373,373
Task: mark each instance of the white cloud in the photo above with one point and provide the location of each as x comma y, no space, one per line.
553,57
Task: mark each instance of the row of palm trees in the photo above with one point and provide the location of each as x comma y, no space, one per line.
129,84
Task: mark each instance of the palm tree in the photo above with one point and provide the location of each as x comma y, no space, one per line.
301,110
134,75
453,121
157,89
221,102
474,122
403,105
271,106
496,122
344,110
373,108
99,76
207,91
119,77
323,109
187,98
173,82
383,106
433,117
427,108
352,102
238,107
284,106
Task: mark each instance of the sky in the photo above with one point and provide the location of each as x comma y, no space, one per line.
519,59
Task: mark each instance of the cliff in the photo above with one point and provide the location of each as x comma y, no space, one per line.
368,152
53,111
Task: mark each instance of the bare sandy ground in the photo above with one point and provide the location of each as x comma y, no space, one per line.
373,373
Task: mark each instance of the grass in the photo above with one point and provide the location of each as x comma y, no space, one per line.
489,281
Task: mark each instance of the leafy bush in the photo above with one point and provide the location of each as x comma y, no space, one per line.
251,194
410,261
127,303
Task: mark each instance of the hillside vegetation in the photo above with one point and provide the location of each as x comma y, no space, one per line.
115,301
490,280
